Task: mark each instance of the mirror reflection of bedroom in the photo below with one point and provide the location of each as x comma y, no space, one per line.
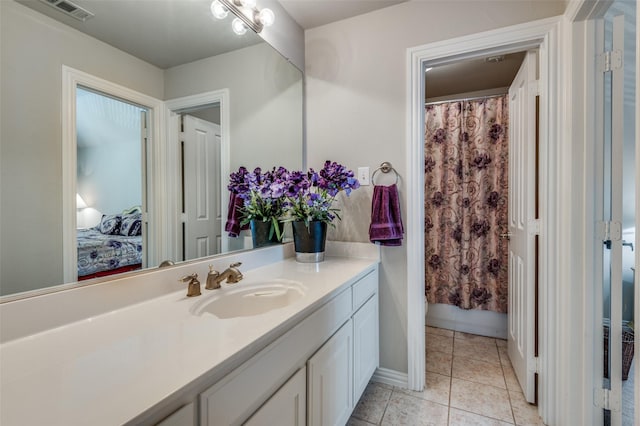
110,195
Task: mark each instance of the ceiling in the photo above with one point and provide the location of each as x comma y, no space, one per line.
472,75
167,33
314,13
164,33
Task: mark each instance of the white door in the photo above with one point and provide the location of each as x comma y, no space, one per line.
365,345
287,407
522,223
330,380
201,188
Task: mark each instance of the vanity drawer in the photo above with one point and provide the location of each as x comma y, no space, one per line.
364,289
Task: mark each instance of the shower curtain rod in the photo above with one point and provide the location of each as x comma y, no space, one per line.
475,98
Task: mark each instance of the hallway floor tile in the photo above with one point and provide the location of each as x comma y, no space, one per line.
469,381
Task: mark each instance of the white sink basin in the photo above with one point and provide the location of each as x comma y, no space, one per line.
251,299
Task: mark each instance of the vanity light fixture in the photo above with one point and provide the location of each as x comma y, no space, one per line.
247,12
218,10
238,26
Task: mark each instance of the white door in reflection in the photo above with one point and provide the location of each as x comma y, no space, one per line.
202,217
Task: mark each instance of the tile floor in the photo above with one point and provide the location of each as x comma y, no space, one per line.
628,387
469,381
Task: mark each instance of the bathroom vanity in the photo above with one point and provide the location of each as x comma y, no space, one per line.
291,344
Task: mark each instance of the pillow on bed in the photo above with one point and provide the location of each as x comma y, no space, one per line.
132,210
131,225
110,224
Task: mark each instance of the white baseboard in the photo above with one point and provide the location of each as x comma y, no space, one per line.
390,377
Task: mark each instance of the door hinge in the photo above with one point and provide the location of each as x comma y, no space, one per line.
606,399
535,88
537,364
608,232
144,124
534,227
609,61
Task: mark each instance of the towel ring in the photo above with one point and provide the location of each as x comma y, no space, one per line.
385,167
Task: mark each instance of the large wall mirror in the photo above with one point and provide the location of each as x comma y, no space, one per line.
201,81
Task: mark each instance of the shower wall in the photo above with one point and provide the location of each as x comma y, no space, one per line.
482,323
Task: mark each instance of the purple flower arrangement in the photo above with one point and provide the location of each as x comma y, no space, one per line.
310,196
262,195
281,195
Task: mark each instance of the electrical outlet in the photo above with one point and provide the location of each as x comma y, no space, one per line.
363,176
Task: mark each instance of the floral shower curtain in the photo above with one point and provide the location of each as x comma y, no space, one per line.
466,186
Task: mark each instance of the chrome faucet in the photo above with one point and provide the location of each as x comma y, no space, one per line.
232,274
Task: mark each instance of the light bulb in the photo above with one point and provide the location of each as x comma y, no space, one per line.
238,26
266,16
249,4
218,10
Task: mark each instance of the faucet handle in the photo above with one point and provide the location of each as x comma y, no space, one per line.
193,288
235,265
212,279
188,278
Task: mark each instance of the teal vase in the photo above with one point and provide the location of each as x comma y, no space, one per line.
309,242
262,233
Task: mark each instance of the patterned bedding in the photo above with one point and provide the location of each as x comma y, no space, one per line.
98,252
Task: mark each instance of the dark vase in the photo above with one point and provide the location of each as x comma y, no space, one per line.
260,233
309,241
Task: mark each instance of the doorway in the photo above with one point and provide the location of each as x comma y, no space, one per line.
151,157
198,130
540,35
480,151
111,193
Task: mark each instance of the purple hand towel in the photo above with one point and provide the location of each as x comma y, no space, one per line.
234,214
386,222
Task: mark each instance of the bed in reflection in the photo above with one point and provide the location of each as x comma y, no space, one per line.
112,247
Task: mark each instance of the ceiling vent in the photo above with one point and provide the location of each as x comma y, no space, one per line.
495,59
70,9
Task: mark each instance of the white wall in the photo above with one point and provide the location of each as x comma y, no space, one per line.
260,98
212,115
33,49
356,113
109,152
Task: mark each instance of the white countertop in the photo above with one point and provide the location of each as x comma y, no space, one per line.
110,368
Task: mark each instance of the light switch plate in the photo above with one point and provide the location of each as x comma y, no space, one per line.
363,176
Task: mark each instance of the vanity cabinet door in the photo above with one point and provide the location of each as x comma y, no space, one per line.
330,380
287,407
182,417
365,345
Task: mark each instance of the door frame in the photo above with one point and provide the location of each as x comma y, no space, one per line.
220,96
544,35
71,79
